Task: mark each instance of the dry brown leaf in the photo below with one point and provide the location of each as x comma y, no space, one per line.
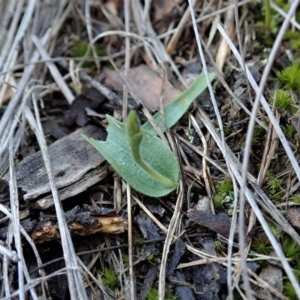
145,83
163,14
218,223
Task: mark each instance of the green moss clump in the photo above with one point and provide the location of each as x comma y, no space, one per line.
125,260
283,4
289,77
80,49
293,39
276,230
289,130
110,278
225,186
291,249
219,246
296,198
259,135
289,291
153,295
283,99
275,188
261,247
274,185
224,196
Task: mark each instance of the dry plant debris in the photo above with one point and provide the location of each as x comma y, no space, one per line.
145,84
64,65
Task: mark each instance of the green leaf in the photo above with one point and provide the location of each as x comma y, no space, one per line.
177,108
141,158
147,164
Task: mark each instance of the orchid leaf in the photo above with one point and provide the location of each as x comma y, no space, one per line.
178,107
142,159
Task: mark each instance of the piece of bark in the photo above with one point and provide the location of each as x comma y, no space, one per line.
175,257
183,290
75,164
149,231
214,281
90,179
148,282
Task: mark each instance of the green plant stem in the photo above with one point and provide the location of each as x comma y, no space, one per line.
166,181
135,142
135,137
267,15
